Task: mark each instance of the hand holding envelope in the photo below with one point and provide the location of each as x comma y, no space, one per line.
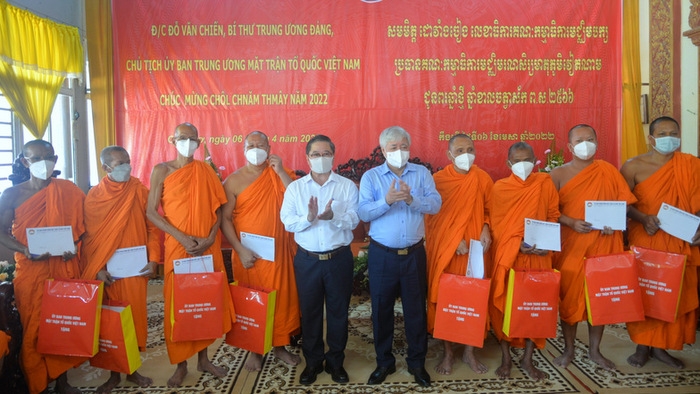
678,223
541,235
43,242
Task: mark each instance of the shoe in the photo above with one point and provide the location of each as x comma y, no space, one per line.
308,375
421,376
339,375
380,374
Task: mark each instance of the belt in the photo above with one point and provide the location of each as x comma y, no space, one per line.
401,252
324,255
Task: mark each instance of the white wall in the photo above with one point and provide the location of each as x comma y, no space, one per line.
689,86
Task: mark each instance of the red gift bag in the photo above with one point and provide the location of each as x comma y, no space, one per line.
119,348
255,318
612,289
462,307
70,317
532,304
660,281
197,309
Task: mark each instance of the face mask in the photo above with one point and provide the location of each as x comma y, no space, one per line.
42,169
522,169
666,145
321,165
464,161
585,150
397,158
186,147
256,156
121,173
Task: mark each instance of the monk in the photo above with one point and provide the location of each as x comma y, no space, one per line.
580,180
190,195
115,218
465,190
255,193
521,195
42,201
664,175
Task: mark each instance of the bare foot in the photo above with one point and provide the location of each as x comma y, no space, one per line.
140,380
445,366
503,372
179,375
565,359
640,356
283,354
106,387
598,358
663,356
254,362
63,387
531,370
206,366
470,359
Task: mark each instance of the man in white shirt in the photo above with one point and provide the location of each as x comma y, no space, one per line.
321,210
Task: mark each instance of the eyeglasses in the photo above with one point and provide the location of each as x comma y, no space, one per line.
316,155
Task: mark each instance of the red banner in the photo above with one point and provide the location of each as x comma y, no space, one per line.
499,71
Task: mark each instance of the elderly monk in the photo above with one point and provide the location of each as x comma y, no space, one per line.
190,195
255,193
521,195
664,175
115,218
580,180
465,190
41,201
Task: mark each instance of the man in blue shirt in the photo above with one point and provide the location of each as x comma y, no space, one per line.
393,199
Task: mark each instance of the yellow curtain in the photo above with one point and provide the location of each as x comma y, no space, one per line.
36,55
98,16
633,140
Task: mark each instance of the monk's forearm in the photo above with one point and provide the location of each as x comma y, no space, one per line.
636,215
11,243
164,225
567,221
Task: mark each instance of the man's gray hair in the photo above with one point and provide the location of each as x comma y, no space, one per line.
393,133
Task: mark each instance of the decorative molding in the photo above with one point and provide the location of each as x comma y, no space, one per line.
662,56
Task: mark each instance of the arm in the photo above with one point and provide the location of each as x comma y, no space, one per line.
430,201
154,196
293,220
276,164
349,219
578,225
369,207
246,256
204,243
7,216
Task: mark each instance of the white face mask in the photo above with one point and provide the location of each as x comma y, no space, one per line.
42,169
255,156
464,161
585,150
522,169
186,147
321,165
120,173
397,158
666,145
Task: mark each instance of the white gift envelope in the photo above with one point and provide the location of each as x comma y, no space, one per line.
542,235
607,213
127,262
263,246
54,240
194,265
678,222
475,263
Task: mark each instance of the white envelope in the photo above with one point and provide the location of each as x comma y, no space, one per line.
54,240
194,265
127,262
475,264
678,222
542,235
263,246
607,213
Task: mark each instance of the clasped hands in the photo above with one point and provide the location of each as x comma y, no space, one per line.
327,213
403,193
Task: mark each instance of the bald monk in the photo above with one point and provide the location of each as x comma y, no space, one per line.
115,218
664,175
255,193
190,195
580,180
465,190
41,201
521,195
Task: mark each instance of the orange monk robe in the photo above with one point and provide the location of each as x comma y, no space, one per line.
58,204
600,181
462,216
513,200
191,196
257,211
676,183
4,344
115,218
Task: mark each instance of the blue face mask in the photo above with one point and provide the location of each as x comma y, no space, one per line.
666,145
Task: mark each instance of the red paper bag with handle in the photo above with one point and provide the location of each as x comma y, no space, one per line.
660,281
197,310
532,304
612,289
70,317
119,348
255,317
462,309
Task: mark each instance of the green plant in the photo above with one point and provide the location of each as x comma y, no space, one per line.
554,158
360,278
7,271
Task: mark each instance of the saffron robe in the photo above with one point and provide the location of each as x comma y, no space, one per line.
600,181
462,216
115,218
513,200
257,211
676,183
191,196
60,203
